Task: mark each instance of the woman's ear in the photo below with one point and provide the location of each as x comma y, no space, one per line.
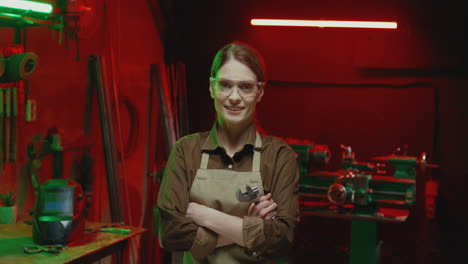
212,91
260,95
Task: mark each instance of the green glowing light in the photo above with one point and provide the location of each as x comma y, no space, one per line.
10,15
27,5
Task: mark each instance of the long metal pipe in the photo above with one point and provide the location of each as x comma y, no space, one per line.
112,181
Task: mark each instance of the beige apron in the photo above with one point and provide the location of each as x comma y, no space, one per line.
217,189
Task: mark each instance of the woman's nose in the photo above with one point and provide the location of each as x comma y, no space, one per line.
234,94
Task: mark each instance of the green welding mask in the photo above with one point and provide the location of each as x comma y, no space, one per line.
58,213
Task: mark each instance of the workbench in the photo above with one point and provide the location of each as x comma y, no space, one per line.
89,248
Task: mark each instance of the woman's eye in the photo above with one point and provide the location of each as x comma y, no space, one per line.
247,86
225,84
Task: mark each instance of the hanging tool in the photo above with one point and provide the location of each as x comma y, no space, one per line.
1,127
14,110
2,64
86,179
20,66
6,124
31,110
57,153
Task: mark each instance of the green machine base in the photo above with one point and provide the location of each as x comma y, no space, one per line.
364,246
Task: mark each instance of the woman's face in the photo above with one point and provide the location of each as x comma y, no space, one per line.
236,107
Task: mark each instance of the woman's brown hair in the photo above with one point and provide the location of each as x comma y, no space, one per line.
245,54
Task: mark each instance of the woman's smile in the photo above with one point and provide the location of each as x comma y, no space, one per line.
234,109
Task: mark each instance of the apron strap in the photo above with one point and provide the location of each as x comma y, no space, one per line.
204,160
256,155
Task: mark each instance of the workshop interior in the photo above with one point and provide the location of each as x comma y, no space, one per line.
371,96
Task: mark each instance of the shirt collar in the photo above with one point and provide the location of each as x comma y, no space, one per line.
212,142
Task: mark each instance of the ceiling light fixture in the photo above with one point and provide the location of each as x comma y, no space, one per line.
25,5
323,23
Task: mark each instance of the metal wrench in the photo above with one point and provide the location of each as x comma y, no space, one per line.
250,195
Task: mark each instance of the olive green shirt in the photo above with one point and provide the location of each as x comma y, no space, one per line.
280,175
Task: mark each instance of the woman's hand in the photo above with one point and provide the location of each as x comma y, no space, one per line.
265,209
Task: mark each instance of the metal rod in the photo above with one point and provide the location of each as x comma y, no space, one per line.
313,195
112,181
312,187
389,193
146,169
165,109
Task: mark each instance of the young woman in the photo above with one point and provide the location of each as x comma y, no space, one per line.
199,204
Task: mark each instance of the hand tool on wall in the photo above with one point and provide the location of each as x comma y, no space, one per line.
19,66
87,178
31,109
57,153
14,111
6,124
2,64
1,127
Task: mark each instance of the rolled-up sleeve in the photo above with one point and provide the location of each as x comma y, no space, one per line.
274,237
178,232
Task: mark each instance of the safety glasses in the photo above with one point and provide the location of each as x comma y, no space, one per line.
244,88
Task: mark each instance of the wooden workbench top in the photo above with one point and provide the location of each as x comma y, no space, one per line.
14,236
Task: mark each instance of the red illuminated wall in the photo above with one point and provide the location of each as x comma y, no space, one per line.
125,35
371,89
